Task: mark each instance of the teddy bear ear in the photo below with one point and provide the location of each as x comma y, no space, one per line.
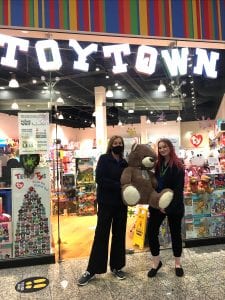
134,146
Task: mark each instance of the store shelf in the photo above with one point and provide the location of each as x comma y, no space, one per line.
189,243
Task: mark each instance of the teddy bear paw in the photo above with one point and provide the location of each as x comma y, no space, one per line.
165,199
131,196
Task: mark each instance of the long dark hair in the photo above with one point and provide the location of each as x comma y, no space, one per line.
174,160
112,139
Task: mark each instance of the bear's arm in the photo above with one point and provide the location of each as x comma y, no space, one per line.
126,176
153,179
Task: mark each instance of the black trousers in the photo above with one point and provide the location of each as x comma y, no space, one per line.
115,217
155,220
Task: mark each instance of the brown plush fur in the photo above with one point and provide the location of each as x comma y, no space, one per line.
138,181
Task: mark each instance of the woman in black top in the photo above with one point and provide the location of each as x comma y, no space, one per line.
169,172
111,213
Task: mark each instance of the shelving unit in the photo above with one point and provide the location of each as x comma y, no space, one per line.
85,186
205,215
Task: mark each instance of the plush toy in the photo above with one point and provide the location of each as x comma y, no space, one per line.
205,184
138,181
5,218
193,185
200,186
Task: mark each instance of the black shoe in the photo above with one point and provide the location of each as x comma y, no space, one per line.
85,278
179,271
119,274
153,271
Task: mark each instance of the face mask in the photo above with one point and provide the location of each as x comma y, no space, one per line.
117,149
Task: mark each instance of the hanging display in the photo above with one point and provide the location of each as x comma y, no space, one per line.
29,162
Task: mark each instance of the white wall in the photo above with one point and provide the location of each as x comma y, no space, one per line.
8,126
146,132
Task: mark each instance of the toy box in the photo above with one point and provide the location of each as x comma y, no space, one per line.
189,228
201,205
188,203
217,226
5,251
201,227
217,199
5,233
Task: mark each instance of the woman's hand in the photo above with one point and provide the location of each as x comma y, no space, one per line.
162,210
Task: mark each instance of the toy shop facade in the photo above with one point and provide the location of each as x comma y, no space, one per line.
47,202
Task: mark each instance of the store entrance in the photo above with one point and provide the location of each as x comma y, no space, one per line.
77,233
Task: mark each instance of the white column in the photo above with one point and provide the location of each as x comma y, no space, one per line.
101,125
144,131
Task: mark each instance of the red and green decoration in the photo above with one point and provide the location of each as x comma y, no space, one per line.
29,162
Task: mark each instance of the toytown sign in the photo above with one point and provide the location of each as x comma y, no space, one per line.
175,60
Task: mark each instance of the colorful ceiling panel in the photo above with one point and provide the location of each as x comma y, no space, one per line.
195,19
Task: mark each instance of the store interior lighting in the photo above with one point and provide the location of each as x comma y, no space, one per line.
15,105
13,83
109,93
60,116
179,117
148,121
161,87
60,100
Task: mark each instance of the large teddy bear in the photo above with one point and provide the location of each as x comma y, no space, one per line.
138,181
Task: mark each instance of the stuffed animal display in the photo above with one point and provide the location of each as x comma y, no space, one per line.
138,180
200,186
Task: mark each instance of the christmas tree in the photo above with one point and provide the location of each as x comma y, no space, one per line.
32,229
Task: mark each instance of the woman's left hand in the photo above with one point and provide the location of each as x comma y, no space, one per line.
162,210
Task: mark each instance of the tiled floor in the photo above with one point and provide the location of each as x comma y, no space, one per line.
204,279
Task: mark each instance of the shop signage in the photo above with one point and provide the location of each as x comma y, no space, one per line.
196,140
49,58
33,133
